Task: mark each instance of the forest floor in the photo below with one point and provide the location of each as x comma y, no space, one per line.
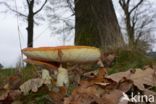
123,62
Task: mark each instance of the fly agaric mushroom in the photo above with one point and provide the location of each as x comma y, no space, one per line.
62,54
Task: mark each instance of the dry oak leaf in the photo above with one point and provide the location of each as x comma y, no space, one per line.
139,77
95,91
92,98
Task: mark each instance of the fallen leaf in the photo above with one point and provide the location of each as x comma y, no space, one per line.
139,77
125,85
92,98
13,82
91,74
98,90
150,93
58,96
8,96
3,94
32,85
108,58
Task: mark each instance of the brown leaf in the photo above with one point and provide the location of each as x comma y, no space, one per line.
75,73
3,94
91,74
108,58
14,82
58,97
149,93
113,97
8,96
14,94
95,91
124,85
139,77
102,72
93,98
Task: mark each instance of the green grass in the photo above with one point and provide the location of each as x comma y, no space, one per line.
127,59
26,73
5,73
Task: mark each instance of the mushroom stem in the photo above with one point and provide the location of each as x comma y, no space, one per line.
46,76
62,77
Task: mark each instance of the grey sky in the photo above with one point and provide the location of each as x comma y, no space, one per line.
9,40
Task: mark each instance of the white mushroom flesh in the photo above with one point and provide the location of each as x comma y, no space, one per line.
62,77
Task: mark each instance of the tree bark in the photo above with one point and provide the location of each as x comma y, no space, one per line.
130,30
96,24
30,28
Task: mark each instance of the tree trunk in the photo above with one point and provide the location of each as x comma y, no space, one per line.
130,29
30,31
96,24
30,28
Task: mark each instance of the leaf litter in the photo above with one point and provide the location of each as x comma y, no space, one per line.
100,89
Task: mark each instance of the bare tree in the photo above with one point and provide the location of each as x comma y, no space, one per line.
28,14
61,16
138,20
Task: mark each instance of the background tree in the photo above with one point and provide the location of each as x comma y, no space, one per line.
96,24
61,18
1,66
29,6
138,22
